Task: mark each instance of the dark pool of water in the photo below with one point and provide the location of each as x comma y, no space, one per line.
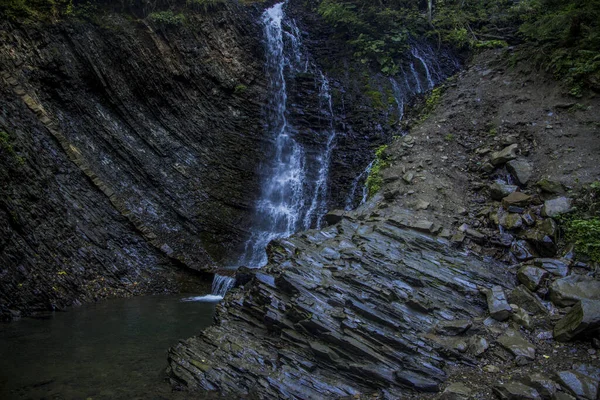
115,349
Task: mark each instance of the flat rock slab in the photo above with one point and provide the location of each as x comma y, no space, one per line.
334,327
516,391
582,386
514,342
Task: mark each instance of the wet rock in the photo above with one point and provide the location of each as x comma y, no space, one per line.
499,190
554,266
521,317
543,237
531,277
550,186
517,345
521,170
518,199
582,386
522,297
515,391
504,155
456,391
478,345
567,291
522,250
453,328
511,221
545,386
582,319
555,207
498,306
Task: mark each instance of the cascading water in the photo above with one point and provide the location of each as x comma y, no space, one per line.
220,286
424,72
289,200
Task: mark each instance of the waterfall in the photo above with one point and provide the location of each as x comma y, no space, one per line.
290,199
220,286
405,86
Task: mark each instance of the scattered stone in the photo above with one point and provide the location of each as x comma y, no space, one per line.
515,391
499,190
522,250
556,207
456,391
475,235
503,239
487,167
421,205
545,386
553,266
492,369
521,170
517,345
478,345
528,218
521,317
511,221
522,297
569,290
408,177
453,328
498,306
582,386
584,318
518,199
515,209
543,237
531,277
445,233
549,186
458,238
504,155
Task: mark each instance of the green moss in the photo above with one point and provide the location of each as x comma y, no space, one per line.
585,235
239,89
374,180
449,137
7,146
168,18
432,102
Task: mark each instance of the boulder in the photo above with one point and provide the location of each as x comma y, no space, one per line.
499,190
515,391
584,318
522,297
569,290
521,170
506,154
517,345
554,266
555,207
521,317
511,221
478,345
545,386
543,237
522,250
498,306
518,199
531,277
582,386
550,186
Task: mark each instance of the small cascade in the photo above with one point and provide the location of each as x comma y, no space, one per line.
220,286
422,72
365,192
318,205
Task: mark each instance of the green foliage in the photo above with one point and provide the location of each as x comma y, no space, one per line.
204,4
431,103
374,180
168,18
19,10
585,235
582,228
449,137
239,89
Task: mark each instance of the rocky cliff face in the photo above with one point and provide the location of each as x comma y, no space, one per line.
126,150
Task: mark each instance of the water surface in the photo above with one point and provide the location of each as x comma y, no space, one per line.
115,349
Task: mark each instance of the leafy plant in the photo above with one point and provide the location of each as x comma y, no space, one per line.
374,180
167,18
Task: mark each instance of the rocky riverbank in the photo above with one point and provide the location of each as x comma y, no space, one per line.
452,279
